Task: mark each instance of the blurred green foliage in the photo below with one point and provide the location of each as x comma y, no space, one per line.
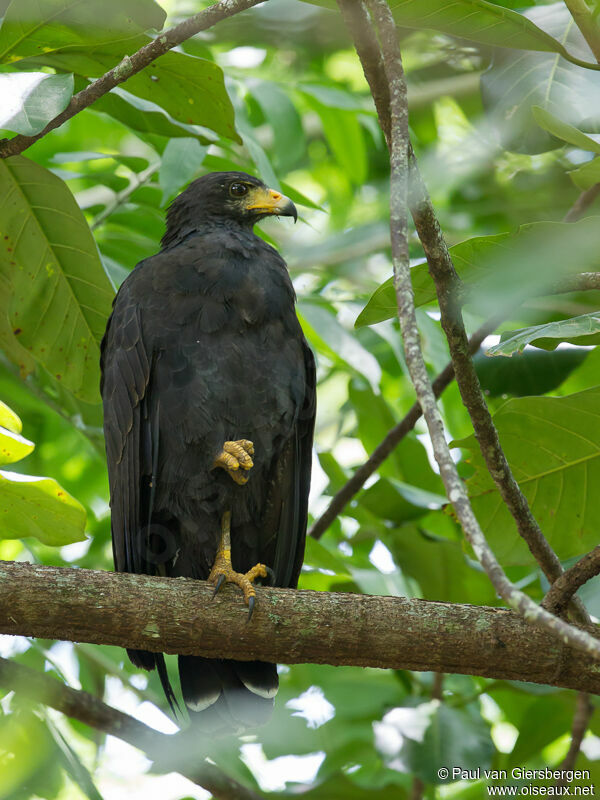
278,91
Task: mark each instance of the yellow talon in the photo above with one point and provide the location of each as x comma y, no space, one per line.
235,455
223,572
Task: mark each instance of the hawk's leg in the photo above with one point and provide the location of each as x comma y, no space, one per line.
235,455
222,570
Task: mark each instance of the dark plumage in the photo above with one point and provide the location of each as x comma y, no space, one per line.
203,347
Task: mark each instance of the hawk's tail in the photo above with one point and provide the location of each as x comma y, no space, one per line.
227,696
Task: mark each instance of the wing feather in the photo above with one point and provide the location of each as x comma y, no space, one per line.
292,484
131,448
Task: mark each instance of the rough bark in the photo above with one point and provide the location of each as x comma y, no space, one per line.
177,615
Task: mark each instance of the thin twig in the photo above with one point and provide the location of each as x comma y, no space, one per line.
584,710
138,179
433,243
180,752
582,282
583,202
131,65
564,588
447,288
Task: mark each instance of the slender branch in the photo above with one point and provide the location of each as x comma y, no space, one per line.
179,752
582,282
178,615
583,714
358,22
447,286
440,265
564,588
584,19
131,65
139,179
583,202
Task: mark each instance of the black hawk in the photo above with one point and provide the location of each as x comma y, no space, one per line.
208,387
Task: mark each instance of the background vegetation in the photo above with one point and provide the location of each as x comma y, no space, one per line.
506,140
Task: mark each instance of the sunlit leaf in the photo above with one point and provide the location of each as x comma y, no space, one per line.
191,90
583,330
13,446
39,507
31,99
31,27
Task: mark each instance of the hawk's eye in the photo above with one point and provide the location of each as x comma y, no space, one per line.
238,189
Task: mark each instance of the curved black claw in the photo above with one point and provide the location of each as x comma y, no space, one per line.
270,576
219,583
251,604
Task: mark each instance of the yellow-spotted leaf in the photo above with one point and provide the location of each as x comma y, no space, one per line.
40,507
13,446
59,296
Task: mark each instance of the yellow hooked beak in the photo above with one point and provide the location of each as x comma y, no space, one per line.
268,201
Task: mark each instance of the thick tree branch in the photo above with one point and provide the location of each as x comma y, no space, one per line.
130,65
445,278
564,588
181,752
178,615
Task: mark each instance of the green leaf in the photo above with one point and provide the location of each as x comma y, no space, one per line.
532,372
453,738
502,269
9,420
181,160
60,296
31,99
298,197
319,556
143,116
39,507
586,176
544,720
399,502
333,339
13,446
553,447
476,20
516,83
191,90
279,111
440,567
332,97
562,130
345,137
582,330
31,28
